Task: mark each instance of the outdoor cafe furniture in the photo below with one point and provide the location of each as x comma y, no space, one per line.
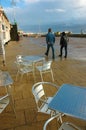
70,100
64,125
5,80
42,99
28,62
6,99
45,67
23,69
33,58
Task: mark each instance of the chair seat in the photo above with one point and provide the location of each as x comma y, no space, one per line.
25,70
69,126
40,68
66,127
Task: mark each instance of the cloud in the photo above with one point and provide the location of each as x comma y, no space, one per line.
55,10
31,1
34,1
30,12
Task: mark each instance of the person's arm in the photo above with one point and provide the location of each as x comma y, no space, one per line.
54,39
47,39
67,39
61,41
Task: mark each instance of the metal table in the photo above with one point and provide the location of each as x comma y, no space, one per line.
70,100
33,58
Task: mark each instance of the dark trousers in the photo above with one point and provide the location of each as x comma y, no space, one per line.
48,48
61,50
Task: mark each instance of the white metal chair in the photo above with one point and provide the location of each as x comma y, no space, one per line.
5,101
69,126
24,68
45,68
64,126
42,100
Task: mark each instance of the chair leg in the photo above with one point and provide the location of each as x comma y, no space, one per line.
41,76
21,77
34,76
60,119
59,116
34,72
16,76
12,104
52,75
27,76
9,91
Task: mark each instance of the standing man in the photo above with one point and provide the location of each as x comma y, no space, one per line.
63,44
50,40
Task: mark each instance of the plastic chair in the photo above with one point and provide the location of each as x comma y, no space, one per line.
42,100
23,68
64,126
45,68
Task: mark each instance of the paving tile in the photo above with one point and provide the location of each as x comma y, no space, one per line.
65,71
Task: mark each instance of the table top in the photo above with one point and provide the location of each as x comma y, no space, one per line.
70,100
33,58
5,78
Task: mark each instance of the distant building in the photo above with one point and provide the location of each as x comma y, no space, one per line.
14,32
4,27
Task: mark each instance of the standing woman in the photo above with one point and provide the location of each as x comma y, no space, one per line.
50,40
63,44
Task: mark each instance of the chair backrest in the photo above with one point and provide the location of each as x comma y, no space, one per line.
46,65
19,65
39,94
4,101
24,67
19,58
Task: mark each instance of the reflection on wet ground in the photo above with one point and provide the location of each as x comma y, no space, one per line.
76,46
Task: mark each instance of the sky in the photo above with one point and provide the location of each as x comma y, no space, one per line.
42,12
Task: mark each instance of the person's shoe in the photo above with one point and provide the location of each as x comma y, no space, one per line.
65,56
3,63
46,54
59,55
53,58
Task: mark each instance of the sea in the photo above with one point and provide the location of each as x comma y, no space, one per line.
74,28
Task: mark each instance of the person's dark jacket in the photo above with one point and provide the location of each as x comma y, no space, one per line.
63,40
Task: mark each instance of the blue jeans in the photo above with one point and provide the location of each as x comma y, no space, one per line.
48,48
